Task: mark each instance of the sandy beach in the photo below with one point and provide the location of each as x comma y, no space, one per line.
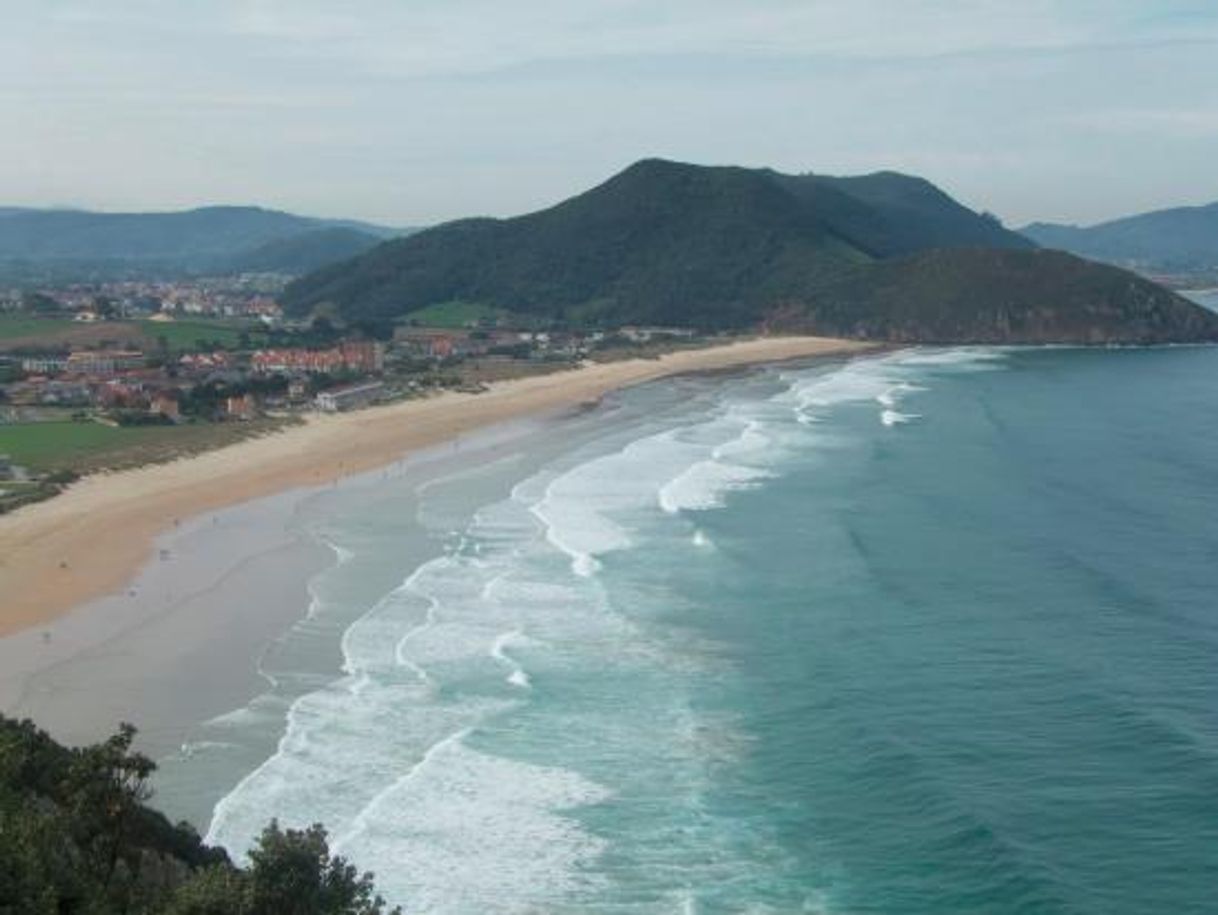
91,540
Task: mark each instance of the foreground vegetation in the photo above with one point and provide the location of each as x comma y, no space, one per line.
76,837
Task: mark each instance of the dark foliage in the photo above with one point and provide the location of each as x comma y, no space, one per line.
76,837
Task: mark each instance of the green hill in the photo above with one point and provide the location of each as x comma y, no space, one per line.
725,247
1182,239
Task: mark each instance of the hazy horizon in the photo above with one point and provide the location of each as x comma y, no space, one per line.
415,116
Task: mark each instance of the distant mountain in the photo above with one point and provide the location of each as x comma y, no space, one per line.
191,240
307,251
885,256
1182,239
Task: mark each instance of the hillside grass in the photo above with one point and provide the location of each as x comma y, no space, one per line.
458,314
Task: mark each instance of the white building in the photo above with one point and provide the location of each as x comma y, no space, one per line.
339,399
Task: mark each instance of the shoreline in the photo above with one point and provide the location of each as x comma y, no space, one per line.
92,539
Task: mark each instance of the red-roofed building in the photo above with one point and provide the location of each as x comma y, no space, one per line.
354,356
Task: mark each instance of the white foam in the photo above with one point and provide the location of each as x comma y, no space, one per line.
964,358
580,507
895,394
516,676
856,381
705,485
893,418
466,831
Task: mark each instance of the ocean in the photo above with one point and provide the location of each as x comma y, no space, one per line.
933,631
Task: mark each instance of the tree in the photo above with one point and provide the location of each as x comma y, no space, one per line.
39,303
107,786
220,890
291,873
76,837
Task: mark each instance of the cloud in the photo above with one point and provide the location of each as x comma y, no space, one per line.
436,38
427,38
416,110
1170,120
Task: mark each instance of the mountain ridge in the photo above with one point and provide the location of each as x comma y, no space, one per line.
1173,239
205,238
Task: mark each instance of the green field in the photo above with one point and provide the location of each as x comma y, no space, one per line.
13,326
179,336
455,315
89,446
184,336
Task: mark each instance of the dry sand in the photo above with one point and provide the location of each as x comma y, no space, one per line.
93,539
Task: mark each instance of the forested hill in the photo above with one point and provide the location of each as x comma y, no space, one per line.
661,241
723,247
300,253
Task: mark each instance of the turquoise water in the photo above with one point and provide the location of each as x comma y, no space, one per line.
933,632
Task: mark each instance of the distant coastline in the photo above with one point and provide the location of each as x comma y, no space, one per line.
94,538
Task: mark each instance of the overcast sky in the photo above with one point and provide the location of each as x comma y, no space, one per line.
416,111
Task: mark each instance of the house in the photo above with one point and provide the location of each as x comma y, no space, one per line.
204,362
166,404
103,362
9,470
118,395
349,398
244,406
298,390
44,365
434,343
362,355
352,355
647,334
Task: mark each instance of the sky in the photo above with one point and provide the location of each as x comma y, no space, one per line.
410,112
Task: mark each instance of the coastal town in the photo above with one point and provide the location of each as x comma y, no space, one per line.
94,377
